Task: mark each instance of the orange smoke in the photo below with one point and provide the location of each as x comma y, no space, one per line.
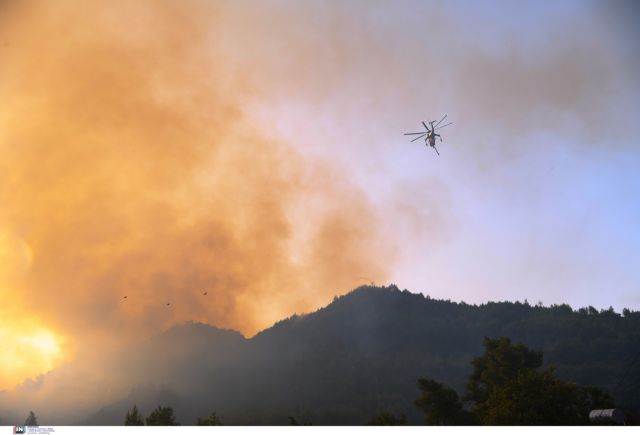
127,168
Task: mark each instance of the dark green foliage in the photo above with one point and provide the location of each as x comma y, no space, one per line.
441,405
133,417
31,420
537,397
508,387
162,416
500,363
212,420
387,419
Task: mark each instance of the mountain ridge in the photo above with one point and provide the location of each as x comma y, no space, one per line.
427,336
359,355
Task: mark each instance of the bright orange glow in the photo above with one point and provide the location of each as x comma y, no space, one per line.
27,352
28,348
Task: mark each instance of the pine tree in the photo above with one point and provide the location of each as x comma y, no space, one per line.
162,416
501,362
133,417
441,405
31,420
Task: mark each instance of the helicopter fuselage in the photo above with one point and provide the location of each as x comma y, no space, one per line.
431,139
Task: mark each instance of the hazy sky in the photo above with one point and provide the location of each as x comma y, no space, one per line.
254,150
536,192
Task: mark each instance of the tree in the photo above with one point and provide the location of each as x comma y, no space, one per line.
532,398
31,420
508,387
133,417
441,405
212,420
537,397
387,419
162,416
501,362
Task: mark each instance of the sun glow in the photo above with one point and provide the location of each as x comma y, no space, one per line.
43,341
27,352
28,347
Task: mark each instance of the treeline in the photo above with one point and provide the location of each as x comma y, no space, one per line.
411,332
360,358
507,386
164,416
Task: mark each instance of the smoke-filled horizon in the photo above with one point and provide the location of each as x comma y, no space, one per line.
254,151
133,183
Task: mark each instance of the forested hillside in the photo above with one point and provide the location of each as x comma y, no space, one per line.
363,354
356,358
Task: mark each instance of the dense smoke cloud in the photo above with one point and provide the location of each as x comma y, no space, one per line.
129,168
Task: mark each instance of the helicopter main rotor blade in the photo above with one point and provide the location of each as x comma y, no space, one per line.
422,132
425,125
418,137
443,126
437,123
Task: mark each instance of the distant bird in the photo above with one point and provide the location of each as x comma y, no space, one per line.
168,303
205,293
124,297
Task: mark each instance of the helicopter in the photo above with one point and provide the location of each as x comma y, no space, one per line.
430,133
